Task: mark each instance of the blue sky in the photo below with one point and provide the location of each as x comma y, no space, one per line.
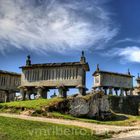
58,30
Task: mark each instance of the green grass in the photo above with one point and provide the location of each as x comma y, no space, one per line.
32,104
17,129
138,117
118,120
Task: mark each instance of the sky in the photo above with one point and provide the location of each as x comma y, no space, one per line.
58,30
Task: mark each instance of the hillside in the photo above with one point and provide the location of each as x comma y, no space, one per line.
59,108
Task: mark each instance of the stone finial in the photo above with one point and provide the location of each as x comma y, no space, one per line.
83,55
83,58
54,95
129,72
28,61
97,69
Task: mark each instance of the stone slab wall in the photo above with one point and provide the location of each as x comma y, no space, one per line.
125,105
9,82
52,77
110,80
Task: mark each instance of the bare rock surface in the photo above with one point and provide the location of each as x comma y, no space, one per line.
93,105
79,107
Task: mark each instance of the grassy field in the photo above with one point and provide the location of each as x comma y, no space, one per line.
32,104
15,107
16,129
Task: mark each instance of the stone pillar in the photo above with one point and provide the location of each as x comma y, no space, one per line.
45,93
116,91
122,92
40,92
105,90
28,93
131,91
12,96
126,92
60,90
7,99
63,92
110,91
35,93
23,93
82,91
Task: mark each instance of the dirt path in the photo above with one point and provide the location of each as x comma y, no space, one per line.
132,135
98,128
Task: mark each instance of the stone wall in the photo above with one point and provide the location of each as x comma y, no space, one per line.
125,104
51,77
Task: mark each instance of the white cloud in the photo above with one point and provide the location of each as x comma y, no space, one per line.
54,25
131,40
129,54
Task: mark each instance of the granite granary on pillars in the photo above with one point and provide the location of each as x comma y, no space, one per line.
9,82
39,78
137,88
110,82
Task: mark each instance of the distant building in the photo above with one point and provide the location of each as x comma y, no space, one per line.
39,78
109,81
137,88
9,82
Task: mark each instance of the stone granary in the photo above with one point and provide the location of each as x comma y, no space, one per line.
137,88
107,81
39,78
9,82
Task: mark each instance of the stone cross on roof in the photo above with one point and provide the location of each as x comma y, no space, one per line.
28,61
83,58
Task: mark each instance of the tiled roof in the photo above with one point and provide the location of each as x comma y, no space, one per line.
10,73
57,65
114,73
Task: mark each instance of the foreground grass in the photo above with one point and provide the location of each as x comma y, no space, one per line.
17,129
